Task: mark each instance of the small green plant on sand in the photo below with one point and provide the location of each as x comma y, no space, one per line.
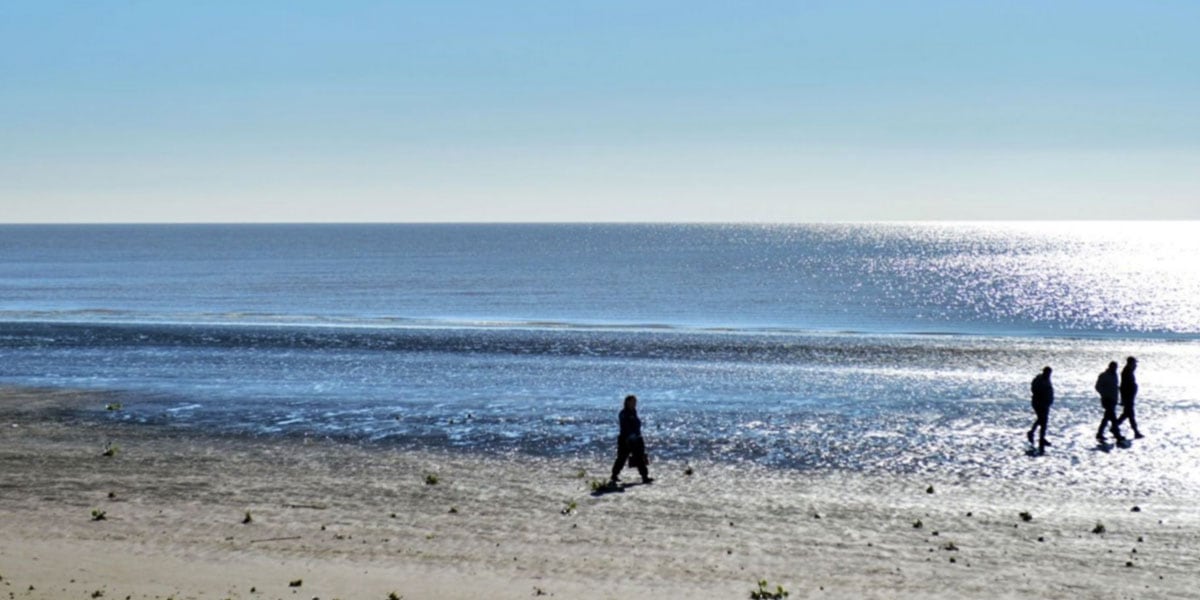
598,484
570,507
764,593
110,449
98,515
580,474
394,596
918,524
431,479
1099,528
112,406
246,520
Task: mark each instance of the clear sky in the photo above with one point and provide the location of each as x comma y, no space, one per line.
794,111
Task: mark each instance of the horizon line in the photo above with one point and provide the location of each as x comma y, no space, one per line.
615,222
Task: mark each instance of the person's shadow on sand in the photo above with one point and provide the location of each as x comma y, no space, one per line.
1107,447
614,488
1104,447
608,488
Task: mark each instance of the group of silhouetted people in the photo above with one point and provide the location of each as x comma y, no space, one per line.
1112,389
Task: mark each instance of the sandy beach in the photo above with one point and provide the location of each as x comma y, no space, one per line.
172,513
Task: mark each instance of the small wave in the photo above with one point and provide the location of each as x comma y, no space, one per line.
109,316
244,319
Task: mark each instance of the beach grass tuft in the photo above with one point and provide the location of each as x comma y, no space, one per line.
765,593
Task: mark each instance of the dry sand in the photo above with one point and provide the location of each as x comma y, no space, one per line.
349,522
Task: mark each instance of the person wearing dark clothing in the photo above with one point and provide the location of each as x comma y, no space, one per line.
1108,386
1129,388
630,445
1043,397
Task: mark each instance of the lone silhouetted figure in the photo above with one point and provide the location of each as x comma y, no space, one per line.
1043,397
1108,386
630,444
1129,390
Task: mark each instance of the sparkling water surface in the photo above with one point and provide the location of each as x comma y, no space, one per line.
891,348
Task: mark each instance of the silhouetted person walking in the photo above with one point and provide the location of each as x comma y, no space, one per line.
630,444
1108,386
1043,397
1129,388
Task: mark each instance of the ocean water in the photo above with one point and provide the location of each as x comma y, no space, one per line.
867,347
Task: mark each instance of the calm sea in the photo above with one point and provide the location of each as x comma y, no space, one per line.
877,347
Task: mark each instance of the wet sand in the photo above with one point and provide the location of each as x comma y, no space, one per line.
336,520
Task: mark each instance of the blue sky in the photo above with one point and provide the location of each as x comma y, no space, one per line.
614,111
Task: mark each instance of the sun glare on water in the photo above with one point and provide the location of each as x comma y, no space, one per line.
1136,277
